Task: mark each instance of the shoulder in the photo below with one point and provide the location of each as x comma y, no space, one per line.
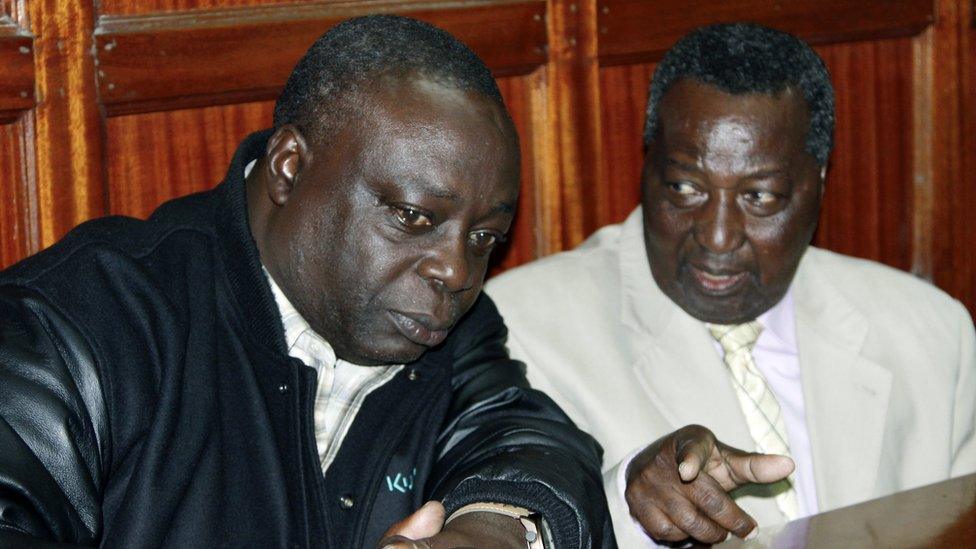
108,245
874,287
545,285
896,303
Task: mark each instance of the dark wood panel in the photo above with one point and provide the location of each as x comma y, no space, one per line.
68,128
133,7
623,96
867,207
157,156
16,70
638,30
952,233
18,236
523,237
157,62
868,200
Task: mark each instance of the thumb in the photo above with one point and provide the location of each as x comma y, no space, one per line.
423,523
745,467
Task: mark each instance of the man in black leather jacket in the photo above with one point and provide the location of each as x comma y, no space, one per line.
151,393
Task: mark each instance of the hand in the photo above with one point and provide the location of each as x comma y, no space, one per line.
677,487
425,529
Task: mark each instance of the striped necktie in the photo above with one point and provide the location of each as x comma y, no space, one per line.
758,403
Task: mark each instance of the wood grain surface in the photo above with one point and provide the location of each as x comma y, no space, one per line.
18,231
941,515
237,55
626,35
17,60
68,136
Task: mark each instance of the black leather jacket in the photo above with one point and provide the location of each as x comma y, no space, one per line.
147,399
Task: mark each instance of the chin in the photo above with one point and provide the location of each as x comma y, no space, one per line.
388,354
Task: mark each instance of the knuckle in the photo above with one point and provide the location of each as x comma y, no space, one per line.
712,503
664,530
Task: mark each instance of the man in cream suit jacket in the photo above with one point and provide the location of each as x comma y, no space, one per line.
865,375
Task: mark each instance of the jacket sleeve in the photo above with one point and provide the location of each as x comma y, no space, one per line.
964,421
52,426
507,443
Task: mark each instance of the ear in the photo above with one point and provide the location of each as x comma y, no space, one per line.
287,154
823,178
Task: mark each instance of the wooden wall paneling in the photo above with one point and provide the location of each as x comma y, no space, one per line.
68,135
179,60
135,7
946,231
18,208
522,99
153,157
17,66
868,198
623,100
18,229
637,30
571,198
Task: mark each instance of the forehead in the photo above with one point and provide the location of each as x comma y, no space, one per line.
419,128
695,116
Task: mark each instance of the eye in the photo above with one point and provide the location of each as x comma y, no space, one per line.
485,240
762,199
685,194
683,188
410,217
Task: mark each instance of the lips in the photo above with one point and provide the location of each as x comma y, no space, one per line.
419,328
718,283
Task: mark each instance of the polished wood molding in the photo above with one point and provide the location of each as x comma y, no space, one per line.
168,61
634,31
17,60
68,135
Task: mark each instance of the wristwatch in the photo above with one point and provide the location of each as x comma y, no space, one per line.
537,534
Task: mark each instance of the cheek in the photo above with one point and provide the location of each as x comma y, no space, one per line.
778,245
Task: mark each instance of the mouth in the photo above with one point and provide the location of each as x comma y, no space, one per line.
718,283
421,329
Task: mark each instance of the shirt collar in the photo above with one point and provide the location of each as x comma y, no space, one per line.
779,325
298,332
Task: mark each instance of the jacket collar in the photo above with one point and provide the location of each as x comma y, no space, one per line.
845,393
249,287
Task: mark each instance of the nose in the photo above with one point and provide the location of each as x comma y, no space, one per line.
447,265
719,226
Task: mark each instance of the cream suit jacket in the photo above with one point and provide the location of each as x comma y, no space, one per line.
888,367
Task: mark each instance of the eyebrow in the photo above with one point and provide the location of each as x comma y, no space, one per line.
437,192
504,207
681,165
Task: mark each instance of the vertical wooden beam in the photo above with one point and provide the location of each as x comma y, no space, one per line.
569,190
68,131
945,189
18,161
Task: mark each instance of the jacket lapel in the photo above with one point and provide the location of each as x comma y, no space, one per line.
845,393
675,359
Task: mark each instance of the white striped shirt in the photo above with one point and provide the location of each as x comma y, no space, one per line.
342,386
